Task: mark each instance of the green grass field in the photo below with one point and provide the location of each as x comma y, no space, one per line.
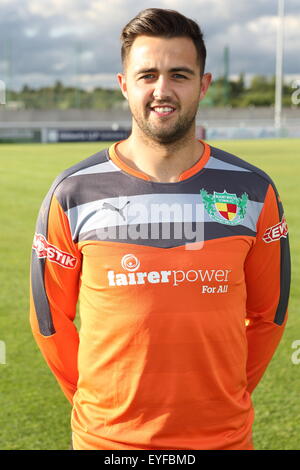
33,411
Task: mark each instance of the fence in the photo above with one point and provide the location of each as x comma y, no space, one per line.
89,125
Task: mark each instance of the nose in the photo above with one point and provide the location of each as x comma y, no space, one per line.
162,88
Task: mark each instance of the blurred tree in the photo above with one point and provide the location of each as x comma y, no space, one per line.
260,92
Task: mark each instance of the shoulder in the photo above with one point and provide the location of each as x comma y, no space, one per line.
83,167
256,180
77,178
229,161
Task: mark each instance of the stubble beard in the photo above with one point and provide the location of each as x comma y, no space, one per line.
166,134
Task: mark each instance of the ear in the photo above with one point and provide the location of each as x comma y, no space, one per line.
205,82
122,83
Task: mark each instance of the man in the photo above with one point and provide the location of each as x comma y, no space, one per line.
171,244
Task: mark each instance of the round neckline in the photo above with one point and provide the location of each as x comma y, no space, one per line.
112,154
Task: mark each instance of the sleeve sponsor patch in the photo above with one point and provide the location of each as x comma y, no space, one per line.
44,249
276,232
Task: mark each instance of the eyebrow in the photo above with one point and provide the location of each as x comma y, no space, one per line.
174,69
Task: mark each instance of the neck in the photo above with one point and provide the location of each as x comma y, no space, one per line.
163,163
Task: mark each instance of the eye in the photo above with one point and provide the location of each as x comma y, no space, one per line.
179,75
148,76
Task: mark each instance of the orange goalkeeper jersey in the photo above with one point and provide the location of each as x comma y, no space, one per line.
167,276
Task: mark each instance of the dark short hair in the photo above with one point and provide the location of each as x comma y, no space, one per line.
163,23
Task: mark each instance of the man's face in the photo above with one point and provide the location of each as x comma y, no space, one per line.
163,86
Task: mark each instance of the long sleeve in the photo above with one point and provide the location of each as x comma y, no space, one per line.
54,287
267,274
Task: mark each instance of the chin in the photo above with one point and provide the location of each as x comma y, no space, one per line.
166,139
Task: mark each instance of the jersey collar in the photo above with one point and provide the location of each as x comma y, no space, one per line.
139,174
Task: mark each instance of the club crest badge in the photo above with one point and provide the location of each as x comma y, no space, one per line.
225,208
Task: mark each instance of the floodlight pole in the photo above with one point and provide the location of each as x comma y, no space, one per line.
226,75
8,78
279,66
77,75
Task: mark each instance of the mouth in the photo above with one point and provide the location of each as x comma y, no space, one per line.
162,111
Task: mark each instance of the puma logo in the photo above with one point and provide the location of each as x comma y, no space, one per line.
108,206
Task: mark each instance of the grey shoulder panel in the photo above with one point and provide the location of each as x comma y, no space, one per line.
39,292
